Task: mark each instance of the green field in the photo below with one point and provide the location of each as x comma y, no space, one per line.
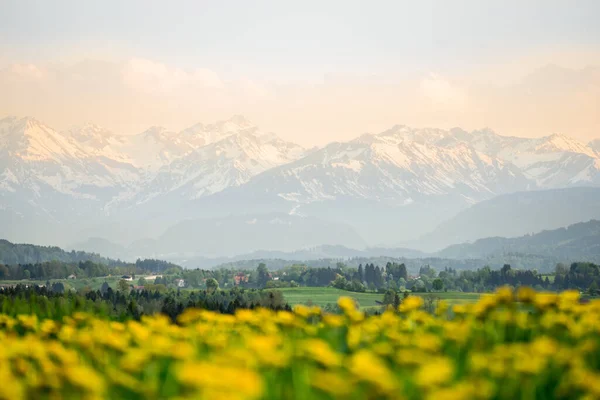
321,296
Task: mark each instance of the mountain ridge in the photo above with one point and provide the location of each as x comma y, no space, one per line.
403,176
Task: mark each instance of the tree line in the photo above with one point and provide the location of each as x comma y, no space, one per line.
82,269
13,254
121,305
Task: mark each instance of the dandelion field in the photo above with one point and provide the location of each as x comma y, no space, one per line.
508,345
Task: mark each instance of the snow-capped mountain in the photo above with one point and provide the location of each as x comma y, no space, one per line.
49,180
402,177
35,156
224,163
595,145
87,173
157,146
394,169
405,181
551,161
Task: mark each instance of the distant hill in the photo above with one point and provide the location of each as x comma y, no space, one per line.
579,241
278,259
229,236
517,261
103,246
514,215
12,254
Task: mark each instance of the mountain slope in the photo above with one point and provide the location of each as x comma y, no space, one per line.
389,185
47,178
578,241
233,235
80,176
228,162
155,147
13,254
551,161
516,214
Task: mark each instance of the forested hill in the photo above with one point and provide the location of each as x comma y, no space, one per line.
576,242
12,254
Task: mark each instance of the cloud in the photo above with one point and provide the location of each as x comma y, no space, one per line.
442,92
128,96
26,71
149,76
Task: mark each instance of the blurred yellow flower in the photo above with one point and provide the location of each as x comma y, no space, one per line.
435,372
411,303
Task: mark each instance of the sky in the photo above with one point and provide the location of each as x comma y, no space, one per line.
310,71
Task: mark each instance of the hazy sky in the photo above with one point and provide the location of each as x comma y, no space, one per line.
311,71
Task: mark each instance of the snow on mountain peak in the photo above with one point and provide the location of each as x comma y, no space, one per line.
157,132
92,135
560,142
29,139
230,161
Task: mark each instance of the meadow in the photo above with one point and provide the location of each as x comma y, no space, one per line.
508,345
322,296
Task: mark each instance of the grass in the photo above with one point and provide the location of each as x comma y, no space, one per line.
549,276
453,298
321,296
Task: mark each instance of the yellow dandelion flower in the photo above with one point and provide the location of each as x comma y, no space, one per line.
319,350
411,303
302,311
504,295
526,294
428,342
543,301
331,383
135,360
347,304
531,364
28,321
333,320
366,366
434,373
85,377
442,308
220,378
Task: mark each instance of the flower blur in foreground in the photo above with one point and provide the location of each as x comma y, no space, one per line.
510,345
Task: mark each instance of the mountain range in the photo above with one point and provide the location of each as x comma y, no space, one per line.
513,215
542,251
579,241
380,189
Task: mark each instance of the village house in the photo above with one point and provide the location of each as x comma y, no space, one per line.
240,277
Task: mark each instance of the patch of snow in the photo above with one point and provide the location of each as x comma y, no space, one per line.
353,165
